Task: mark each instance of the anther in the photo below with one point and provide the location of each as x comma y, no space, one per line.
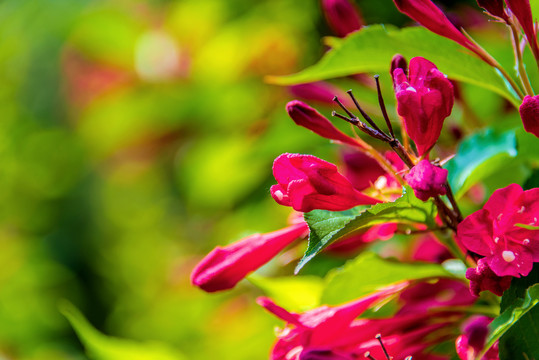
369,356
353,120
336,99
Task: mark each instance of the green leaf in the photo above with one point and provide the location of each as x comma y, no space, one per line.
102,347
368,272
372,48
295,293
522,314
478,157
328,226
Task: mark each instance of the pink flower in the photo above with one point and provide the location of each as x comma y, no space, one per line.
424,100
483,278
306,182
342,16
427,180
529,113
494,8
472,341
431,17
493,232
335,333
522,11
361,169
306,116
225,266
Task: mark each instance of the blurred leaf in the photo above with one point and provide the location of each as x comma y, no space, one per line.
527,145
372,48
520,312
529,227
328,226
101,347
478,157
368,272
298,293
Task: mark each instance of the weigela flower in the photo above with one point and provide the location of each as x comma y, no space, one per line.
509,249
306,116
431,17
306,182
427,180
424,99
483,278
225,266
342,16
335,333
523,12
529,113
473,338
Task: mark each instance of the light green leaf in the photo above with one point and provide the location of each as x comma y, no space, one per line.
328,226
298,293
511,316
102,347
372,48
478,157
529,227
368,272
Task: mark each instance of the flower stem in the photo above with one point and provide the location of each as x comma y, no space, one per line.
519,63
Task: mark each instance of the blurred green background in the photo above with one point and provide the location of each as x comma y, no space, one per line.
134,137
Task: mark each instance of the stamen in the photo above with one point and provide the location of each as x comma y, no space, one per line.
336,99
363,113
353,121
379,338
383,106
368,355
496,239
521,210
526,242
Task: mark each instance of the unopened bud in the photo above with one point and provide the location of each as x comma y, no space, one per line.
398,62
529,113
427,180
342,16
494,8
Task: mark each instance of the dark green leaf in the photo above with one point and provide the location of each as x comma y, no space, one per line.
328,226
478,157
371,50
368,272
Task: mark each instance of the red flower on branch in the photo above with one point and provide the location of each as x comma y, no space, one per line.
529,113
424,99
494,231
306,182
427,180
225,266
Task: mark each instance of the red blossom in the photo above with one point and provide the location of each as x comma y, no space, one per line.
431,17
306,182
225,266
424,99
483,278
473,338
306,116
494,8
427,180
529,113
509,250
342,16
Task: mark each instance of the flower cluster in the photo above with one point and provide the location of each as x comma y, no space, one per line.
363,202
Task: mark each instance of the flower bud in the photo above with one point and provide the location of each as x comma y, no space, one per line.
529,113
306,116
424,99
342,17
306,183
398,62
483,278
427,180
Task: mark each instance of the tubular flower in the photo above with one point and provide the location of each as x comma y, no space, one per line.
306,182
342,16
523,12
225,266
424,100
483,278
306,116
473,338
431,17
427,180
496,232
529,113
